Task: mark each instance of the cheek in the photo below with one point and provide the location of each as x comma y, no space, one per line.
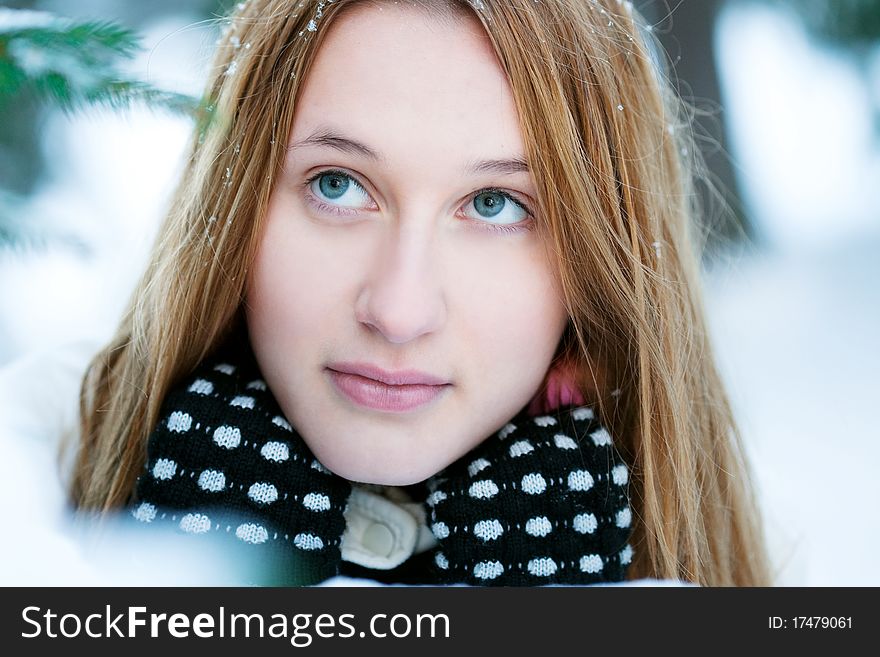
292,286
514,312
275,290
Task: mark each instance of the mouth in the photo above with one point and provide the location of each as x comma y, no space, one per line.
378,395
392,378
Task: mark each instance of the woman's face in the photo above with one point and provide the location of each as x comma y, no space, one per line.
398,238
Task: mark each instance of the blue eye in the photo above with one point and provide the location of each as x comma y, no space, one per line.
337,192
339,188
491,205
333,186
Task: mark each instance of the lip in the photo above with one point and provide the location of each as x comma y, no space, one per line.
399,378
376,394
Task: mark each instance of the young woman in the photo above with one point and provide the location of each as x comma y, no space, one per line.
426,259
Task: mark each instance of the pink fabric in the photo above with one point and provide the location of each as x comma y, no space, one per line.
561,391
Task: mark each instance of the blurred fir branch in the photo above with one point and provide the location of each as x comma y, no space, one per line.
73,64
69,65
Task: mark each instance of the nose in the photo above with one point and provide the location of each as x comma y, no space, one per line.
402,297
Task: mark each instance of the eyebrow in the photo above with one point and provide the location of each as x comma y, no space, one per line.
327,138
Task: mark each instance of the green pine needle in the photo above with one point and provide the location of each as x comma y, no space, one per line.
70,65
73,64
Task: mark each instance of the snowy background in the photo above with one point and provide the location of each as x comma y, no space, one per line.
795,317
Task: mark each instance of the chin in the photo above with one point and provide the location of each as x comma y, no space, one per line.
358,474
389,480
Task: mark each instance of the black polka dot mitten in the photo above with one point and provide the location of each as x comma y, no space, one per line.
223,461
543,501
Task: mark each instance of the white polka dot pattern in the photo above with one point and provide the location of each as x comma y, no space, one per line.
601,438
243,401
308,542
488,530
580,480
483,490
228,437
533,483
164,469
215,464
591,563
583,413
316,502
626,555
195,523
212,480
488,569
263,493
275,451
564,442
520,447
201,387
553,511
145,512
252,533
585,523
506,430
539,526
477,466
542,567
179,422
545,420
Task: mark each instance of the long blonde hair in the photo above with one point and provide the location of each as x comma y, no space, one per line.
604,139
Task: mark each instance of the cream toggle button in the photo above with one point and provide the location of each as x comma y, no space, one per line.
379,533
379,539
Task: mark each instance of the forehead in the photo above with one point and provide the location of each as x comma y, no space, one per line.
399,79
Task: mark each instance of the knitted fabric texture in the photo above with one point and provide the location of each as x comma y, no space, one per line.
224,460
542,501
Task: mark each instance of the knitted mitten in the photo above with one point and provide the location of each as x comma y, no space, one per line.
223,461
543,501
